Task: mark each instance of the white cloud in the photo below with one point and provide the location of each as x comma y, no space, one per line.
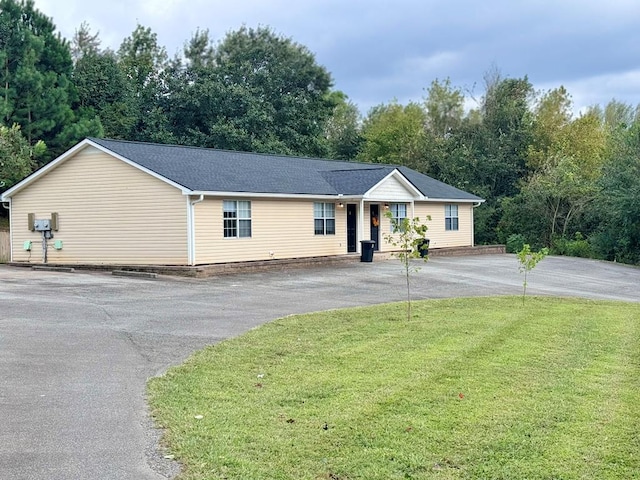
601,89
430,66
379,50
161,8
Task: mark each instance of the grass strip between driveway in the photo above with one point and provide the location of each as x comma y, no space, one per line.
469,388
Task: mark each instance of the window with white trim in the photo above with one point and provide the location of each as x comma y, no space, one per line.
398,214
236,218
451,217
324,218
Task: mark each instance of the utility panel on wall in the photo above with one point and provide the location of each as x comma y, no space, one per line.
42,225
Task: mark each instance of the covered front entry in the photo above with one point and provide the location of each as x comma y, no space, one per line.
375,224
352,228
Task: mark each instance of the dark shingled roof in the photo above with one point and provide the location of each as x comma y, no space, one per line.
209,170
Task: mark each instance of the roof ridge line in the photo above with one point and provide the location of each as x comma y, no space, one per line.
239,152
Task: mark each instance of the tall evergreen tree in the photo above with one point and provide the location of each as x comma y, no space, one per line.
104,89
144,63
36,69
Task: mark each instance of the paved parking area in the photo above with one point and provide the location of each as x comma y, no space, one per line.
76,349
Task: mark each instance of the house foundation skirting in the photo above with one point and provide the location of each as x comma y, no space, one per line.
202,271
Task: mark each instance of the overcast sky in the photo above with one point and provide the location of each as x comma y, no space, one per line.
378,50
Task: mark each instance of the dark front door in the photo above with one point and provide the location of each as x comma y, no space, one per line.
352,228
375,225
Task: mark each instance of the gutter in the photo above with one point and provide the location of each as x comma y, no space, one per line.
309,196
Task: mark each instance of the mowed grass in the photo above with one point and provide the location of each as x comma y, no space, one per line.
478,388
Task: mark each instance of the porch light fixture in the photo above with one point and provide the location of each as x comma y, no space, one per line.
341,205
386,206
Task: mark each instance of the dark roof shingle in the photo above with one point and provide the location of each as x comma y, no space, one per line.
210,170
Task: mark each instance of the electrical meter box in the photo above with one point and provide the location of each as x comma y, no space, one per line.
42,225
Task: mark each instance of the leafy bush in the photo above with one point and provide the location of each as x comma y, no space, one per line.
579,247
515,242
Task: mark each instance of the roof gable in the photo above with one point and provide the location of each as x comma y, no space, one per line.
394,187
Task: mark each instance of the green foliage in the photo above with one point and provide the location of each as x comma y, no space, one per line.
145,64
84,43
528,261
578,247
618,204
444,107
343,129
395,134
199,52
408,235
36,67
17,157
104,89
521,216
262,92
355,394
515,243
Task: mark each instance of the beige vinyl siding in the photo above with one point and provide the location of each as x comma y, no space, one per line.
5,247
390,188
441,238
279,229
109,213
437,234
385,225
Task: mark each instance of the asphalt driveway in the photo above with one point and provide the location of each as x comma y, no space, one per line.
76,349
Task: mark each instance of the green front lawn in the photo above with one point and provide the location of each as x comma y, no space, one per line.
479,388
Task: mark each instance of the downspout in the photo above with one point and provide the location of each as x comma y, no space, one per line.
4,204
191,229
473,225
360,225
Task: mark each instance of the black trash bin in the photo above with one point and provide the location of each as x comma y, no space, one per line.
423,247
367,250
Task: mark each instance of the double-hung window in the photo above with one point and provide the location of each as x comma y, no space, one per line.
451,217
324,218
398,214
236,218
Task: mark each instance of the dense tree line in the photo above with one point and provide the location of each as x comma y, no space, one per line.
549,177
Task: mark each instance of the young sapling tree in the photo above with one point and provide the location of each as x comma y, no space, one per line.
408,235
528,260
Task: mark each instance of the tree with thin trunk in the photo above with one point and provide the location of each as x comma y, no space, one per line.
528,260
408,235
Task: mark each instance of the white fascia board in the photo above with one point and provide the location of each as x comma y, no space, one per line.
288,196
70,153
402,179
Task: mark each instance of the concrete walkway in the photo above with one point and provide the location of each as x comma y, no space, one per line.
76,349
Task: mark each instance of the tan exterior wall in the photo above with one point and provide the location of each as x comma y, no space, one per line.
280,229
5,247
438,236
109,213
